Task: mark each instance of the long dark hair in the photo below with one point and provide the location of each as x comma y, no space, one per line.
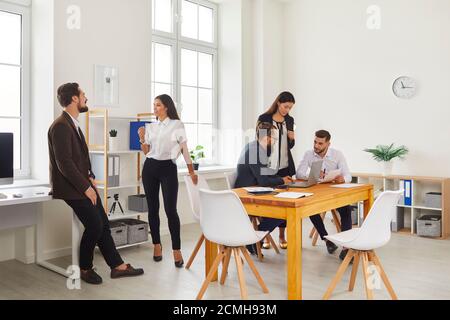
167,101
284,97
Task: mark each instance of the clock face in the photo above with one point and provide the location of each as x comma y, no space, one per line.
405,87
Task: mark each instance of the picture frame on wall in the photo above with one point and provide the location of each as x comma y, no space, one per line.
106,86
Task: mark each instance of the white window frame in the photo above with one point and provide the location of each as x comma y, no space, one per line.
24,11
179,42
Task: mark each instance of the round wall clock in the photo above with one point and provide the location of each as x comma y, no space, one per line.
405,87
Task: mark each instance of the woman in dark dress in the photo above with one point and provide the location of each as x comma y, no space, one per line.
281,159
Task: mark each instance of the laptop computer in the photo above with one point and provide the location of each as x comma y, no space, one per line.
314,176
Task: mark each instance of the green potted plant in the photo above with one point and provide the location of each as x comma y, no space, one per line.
197,154
386,155
113,140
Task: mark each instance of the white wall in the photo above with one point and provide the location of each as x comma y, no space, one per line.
113,32
342,74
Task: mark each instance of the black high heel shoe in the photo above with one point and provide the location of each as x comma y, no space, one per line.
179,264
158,258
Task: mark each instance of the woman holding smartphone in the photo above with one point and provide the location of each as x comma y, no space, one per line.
162,143
281,159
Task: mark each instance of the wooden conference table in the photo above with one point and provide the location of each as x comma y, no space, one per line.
325,198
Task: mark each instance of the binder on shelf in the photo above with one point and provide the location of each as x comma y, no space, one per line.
134,136
98,167
407,185
116,173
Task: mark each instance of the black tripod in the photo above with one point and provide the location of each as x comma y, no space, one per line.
114,205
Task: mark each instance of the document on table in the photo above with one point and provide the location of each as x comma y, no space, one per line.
259,189
347,186
293,195
331,176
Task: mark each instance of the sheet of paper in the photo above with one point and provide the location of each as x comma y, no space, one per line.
331,176
259,189
293,195
347,185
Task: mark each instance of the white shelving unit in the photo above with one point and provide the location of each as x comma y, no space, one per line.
407,215
134,179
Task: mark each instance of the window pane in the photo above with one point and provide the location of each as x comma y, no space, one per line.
205,137
10,85
13,126
189,102
160,88
162,15
206,26
10,38
162,63
188,67
205,97
189,26
205,70
191,132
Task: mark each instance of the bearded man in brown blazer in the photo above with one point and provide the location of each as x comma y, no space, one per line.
73,181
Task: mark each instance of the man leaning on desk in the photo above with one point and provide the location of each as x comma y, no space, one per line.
253,170
73,181
332,160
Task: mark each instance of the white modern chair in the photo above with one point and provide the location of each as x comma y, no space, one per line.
231,178
194,200
231,181
314,235
224,221
361,242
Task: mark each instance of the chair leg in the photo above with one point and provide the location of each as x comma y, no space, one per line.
254,270
195,252
374,258
210,276
237,257
258,244
226,263
339,274
314,234
311,234
273,244
315,238
365,261
354,271
336,220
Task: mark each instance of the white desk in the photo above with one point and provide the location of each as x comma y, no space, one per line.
27,212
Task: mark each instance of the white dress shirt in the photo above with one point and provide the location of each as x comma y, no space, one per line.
334,160
166,140
75,122
279,158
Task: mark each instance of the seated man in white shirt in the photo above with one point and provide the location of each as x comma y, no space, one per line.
332,160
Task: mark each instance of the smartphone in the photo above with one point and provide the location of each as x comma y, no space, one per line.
282,187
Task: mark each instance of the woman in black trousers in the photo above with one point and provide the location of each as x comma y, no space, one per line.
281,159
163,142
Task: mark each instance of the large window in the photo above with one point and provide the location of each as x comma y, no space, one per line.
14,81
184,64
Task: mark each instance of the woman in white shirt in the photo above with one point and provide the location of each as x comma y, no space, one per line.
163,142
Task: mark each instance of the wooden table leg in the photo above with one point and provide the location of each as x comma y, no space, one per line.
368,204
210,256
294,266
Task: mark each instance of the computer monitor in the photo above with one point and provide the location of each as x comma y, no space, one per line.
6,158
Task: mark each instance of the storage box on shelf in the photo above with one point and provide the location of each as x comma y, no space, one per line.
429,196
118,163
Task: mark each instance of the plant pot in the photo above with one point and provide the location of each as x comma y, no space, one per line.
113,144
387,168
196,166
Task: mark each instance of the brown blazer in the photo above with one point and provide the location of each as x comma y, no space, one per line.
70,166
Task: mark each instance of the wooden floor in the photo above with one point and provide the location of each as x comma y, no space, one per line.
418,269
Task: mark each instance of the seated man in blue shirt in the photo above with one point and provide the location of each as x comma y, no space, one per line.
253,171
332,160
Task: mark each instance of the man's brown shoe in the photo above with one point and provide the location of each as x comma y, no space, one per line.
91,277
128,272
